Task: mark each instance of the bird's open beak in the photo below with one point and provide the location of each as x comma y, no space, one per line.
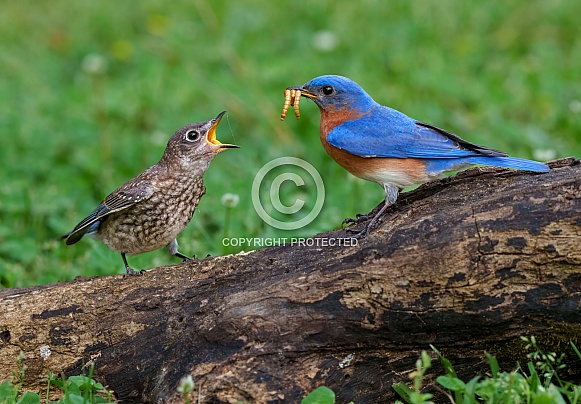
304,92
211,136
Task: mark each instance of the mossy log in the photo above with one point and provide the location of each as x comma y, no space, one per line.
467,264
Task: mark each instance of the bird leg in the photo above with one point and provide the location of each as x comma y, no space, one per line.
128,269
391,193
172,248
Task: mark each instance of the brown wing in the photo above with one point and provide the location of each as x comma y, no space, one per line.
127,195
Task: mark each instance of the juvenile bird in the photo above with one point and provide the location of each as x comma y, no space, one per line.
151,210
379,144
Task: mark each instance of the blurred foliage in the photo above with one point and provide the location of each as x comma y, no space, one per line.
91,91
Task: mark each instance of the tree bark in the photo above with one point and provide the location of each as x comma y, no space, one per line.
467,264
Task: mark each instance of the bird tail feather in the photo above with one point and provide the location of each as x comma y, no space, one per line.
512,162
75,235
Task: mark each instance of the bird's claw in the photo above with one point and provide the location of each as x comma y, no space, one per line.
130,272
358,234
359,218
185,258
371,224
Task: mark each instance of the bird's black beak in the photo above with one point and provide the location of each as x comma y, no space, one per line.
211,136
304,91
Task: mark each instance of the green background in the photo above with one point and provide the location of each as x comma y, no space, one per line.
91,91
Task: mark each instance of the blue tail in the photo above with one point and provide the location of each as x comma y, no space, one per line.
510,162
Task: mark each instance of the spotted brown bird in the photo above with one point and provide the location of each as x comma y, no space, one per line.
151,210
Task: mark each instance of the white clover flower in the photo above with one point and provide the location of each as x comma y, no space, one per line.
230,200
186,384
544,154
94,64
325,41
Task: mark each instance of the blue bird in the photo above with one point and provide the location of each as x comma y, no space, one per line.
382,145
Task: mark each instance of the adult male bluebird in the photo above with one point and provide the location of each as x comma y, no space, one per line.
151,210
379,144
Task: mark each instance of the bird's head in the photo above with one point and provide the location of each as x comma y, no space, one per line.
195,142
336,93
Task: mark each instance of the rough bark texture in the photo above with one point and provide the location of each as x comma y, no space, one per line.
468,264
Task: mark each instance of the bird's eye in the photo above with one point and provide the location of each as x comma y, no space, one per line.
328,90
192,135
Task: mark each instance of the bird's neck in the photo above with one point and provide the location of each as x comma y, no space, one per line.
186,171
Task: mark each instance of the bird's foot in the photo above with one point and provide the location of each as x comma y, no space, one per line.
359,218
130,271
359,234
184,258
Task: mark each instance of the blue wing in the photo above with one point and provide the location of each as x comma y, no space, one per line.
385,132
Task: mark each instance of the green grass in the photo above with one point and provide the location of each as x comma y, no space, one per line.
539,383
74,389
504,75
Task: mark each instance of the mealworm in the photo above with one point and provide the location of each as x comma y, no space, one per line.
291,98
287,102
296,102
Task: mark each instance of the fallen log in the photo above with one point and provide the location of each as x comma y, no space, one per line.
468,264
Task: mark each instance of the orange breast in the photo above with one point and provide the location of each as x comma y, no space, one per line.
383,170
394,171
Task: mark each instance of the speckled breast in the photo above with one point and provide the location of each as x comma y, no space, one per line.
155,222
